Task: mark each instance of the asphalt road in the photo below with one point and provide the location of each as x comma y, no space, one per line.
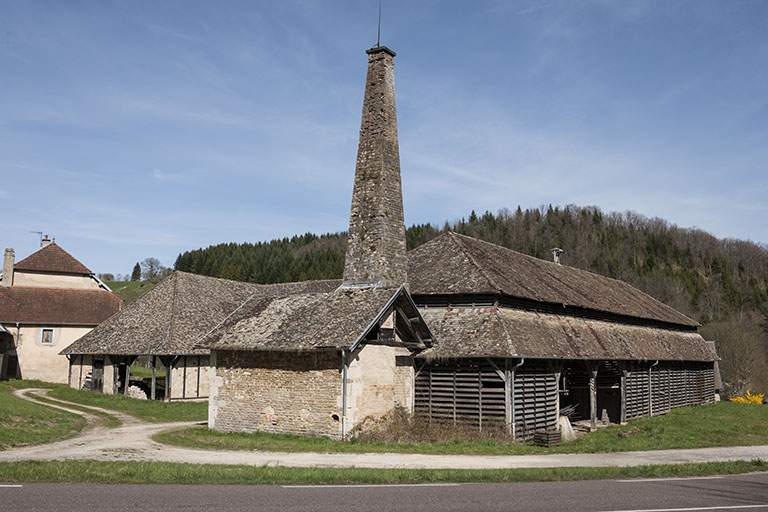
737,492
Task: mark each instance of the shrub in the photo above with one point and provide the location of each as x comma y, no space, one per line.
749,398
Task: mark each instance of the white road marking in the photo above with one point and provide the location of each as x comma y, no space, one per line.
10,485
722,507
671,479
365,485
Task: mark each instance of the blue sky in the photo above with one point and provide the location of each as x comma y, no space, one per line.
134,129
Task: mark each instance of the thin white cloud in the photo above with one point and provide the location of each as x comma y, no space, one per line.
167,177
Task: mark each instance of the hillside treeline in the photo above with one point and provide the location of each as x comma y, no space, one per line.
722,283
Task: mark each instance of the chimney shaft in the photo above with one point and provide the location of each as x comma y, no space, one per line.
376,250
45,242
8,262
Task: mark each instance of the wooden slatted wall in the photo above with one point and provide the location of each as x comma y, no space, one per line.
675,384
661,391
637,389
467,391
535,399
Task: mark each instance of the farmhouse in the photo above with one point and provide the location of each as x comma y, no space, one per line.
457,330
47,301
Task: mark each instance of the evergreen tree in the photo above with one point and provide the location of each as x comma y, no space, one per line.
136,275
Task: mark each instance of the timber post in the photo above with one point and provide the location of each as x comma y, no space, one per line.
592,368
623,413
154,377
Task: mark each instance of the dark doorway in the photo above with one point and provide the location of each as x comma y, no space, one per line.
11,367
97,376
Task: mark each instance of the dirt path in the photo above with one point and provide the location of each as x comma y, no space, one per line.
131,442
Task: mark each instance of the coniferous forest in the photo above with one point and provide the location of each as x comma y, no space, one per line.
722,283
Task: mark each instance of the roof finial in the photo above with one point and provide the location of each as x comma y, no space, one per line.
378,36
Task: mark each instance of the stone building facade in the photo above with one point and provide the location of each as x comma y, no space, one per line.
47,301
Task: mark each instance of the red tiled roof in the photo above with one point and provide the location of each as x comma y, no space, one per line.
55,306
52,258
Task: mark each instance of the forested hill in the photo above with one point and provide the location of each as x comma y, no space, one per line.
707,278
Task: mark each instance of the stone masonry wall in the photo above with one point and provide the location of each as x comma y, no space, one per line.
295,392
376,249
379,379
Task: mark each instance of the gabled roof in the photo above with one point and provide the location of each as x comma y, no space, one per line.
52,258
458,264
335,320
175,314
507,332
56,306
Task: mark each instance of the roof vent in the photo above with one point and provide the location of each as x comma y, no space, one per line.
556,251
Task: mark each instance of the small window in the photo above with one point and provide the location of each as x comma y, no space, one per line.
47,336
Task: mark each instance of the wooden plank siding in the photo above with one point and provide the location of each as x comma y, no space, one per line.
472,391
672,384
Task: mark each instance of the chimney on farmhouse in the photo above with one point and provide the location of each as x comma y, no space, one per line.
376,248
8,261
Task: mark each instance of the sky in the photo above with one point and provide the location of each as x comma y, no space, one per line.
136,129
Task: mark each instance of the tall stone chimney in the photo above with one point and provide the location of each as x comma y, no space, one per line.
8,262
376,250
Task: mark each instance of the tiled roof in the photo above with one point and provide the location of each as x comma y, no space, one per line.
52,258
457,264
313,321
175,314
507,332
55,306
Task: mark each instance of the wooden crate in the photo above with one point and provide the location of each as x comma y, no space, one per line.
551,438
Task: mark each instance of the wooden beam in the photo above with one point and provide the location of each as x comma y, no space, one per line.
623,412
184,381
509,416
127,376
198,377
409,325
500,373
592,368
154,377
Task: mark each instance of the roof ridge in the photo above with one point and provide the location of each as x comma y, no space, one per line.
473,260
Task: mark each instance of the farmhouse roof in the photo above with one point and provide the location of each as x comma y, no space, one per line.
56,306
457,264
507,332
175,314
336,320
52,258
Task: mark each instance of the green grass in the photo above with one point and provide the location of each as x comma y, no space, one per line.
130,290
719,424
24,423
169,473
104,419
146,373
147,410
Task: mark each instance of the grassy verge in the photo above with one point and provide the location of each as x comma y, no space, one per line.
24,423
719,424
148,410
168,473
104,419
130,290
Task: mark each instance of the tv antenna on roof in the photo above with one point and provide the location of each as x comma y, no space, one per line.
378,36
41,236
